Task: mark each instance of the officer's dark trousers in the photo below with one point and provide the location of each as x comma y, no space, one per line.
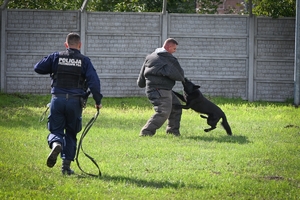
64,122
163,101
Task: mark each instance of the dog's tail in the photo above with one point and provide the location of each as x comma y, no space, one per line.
226,125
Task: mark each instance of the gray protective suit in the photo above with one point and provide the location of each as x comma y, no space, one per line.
158,76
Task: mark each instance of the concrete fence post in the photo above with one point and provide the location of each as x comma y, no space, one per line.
297,57
251,62
164,28
2,50
83,16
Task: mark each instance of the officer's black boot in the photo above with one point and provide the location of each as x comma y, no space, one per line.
65,169
55,151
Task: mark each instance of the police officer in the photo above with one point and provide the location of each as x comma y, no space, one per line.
71,73
158,75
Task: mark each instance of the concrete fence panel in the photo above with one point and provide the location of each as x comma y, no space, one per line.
214,50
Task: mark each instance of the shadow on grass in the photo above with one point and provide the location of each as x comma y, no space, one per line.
144,183
239,139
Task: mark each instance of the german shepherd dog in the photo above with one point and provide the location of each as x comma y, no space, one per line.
197,102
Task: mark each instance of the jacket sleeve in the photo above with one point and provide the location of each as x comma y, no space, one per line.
44,66
141,81
173,70
93,82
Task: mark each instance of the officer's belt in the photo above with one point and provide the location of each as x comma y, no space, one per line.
68,96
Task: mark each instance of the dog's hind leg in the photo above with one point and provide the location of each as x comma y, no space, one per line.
203,116
226,126
209,129
212,122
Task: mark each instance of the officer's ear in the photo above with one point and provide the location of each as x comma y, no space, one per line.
66,45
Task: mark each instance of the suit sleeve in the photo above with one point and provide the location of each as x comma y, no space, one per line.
141,81
173,70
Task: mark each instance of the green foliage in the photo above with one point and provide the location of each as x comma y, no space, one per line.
129,6
260,161
45,5
102,5
274,8
181,6
270,8
173,6
208,6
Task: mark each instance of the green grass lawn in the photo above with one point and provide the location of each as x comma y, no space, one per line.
260,161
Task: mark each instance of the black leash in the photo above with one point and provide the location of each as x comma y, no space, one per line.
84,133
44,113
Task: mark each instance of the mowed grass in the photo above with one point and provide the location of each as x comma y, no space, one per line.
260,161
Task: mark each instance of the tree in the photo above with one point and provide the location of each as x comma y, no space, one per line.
45,4
181,6
173,6
102,5
208,6
270,8
274,8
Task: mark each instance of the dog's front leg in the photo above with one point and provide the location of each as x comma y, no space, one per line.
186,106
181,106
180,96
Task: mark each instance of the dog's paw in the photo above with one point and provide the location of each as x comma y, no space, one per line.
209,129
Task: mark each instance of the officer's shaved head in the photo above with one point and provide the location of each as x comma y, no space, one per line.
73,39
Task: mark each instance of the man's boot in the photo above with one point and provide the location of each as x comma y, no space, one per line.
65,169
56,149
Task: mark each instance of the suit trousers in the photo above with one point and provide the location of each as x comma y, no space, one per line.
163,102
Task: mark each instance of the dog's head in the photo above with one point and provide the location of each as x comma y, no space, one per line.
188,86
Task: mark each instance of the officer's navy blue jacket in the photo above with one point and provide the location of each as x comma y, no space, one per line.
49,64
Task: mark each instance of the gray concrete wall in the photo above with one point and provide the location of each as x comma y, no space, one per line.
274,59
213,51
229,56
